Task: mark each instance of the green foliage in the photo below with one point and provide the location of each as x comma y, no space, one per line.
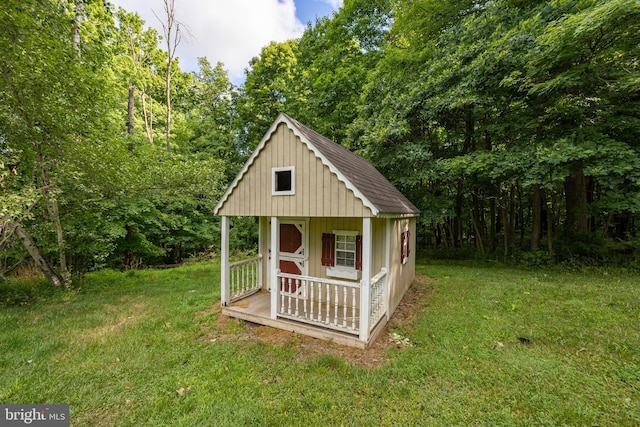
162,213
244,237
272,86
483,103
122,201
511,125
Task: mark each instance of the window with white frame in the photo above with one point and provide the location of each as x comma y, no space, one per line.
283,181
346,250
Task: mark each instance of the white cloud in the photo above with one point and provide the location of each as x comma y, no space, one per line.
336,4
230,31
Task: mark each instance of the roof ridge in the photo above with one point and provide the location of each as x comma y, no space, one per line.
361,174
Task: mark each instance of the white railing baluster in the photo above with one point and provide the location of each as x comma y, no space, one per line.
319,302
288,281
244,277
335,305
305,286
327,302
234,282
311,299
328,294
282,282
353,313
344,308
297,293
376,303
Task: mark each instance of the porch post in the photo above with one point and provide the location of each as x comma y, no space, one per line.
365,283
224,262
274,265
389,224
260,250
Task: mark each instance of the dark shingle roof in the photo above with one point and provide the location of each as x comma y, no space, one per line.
362,175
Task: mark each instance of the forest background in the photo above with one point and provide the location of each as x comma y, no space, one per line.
513,125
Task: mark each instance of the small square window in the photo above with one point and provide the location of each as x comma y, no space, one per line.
283,181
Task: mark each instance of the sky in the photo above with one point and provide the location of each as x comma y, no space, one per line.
232,31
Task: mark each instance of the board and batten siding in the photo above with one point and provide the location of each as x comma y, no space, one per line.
318,191
401,275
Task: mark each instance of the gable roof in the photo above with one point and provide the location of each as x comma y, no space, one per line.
360,176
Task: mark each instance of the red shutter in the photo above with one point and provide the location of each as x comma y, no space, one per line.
358,252
403,238
328,249
408,243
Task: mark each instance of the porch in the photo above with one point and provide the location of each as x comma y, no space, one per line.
319,307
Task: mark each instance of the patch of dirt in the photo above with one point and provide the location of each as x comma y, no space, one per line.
227,329
108,328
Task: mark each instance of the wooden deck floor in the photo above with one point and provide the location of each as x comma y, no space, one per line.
257,309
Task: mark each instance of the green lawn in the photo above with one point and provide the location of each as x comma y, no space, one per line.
492,346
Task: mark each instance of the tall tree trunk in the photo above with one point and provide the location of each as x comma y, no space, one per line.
443,232
478,208
457,221
505,221
549,208
492,226
54,213
148,116
521,215
607,224
76,26
512,216
536,218
469,127
130,106
476,226
168,87
172,35
52,208
28,243
449,227
575,189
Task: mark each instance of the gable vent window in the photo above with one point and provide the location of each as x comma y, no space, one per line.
283,181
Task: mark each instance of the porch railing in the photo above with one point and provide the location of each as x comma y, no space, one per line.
245,277
327,303
377,306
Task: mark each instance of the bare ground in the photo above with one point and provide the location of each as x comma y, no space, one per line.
227,329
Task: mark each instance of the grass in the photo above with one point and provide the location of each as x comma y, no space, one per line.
492,346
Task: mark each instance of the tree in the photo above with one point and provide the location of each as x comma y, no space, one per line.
507,112
272,86
46,94
137,61
173,32
335,57
584,71
209,125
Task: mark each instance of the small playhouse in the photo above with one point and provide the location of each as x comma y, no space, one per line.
336,239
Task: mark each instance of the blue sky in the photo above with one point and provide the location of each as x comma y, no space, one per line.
233,31
309,10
